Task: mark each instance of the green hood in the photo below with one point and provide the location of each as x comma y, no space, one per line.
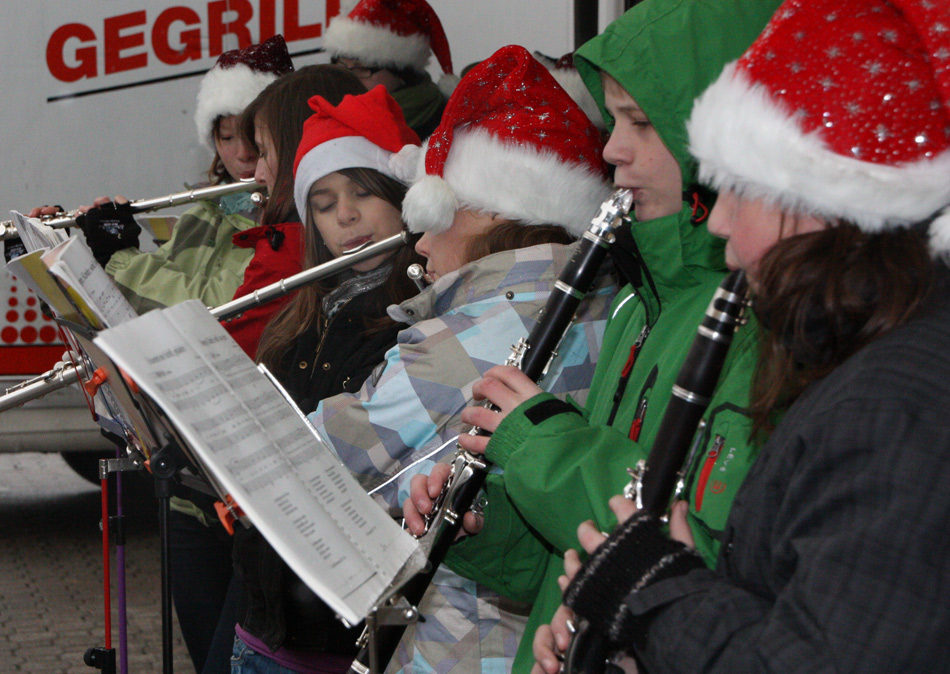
644,50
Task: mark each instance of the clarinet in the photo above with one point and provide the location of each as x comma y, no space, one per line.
533,356
655,478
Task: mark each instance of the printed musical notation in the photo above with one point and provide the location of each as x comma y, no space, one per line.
258,445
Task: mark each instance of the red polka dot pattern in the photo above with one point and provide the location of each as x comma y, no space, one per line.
24,327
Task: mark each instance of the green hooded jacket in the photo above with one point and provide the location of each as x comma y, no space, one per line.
561,469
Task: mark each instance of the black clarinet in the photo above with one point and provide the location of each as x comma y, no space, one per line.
532,355
655,479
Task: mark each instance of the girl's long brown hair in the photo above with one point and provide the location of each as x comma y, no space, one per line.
513,235
824,295
306,307
282,108
217,173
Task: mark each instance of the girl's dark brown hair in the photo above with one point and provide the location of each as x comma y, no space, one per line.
512,235
306,307
217,173
281,108
824,295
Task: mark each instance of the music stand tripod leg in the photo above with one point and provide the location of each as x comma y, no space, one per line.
164,464
103,657
118,526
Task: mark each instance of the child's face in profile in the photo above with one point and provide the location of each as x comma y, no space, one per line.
643,164
447,250
752,226
239,158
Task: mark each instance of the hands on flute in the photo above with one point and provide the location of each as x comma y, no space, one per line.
108,225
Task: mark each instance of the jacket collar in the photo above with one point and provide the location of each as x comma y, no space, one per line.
662,257
525,270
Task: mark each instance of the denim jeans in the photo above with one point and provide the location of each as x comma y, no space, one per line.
245,660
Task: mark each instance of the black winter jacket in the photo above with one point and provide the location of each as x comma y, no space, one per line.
277,607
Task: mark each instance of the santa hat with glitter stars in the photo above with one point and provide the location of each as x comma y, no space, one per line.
511,142
236,79
392,34
840,109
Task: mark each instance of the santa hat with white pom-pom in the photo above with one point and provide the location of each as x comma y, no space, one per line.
840,109
511,142
363,131
392,34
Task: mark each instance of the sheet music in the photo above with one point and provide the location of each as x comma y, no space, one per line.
91,288
34,234
30,270
258,445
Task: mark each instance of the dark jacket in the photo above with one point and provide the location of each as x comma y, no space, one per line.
836,555
338,359
277,607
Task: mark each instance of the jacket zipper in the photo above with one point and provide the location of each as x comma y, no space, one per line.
690,459
323,337
625,373
708,466
642,404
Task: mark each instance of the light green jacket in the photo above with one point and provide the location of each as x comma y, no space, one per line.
199,261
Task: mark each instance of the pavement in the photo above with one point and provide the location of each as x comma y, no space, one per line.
51,590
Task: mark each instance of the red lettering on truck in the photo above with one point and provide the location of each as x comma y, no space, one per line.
127,42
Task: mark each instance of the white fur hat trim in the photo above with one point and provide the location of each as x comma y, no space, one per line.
376,45
224,92
339,153
405,164
940,235
522,183
746,142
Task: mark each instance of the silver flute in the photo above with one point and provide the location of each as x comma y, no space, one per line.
60,220
65,373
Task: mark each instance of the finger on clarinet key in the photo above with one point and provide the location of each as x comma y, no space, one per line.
437,479
476,444
622,507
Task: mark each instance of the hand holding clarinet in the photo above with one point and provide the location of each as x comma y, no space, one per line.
639,553
553,640
506,387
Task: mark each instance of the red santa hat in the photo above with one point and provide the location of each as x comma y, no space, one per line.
361,132
392,34
236,79
840,109
511,142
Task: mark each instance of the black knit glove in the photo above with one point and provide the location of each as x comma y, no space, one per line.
109,228
13,248
636,555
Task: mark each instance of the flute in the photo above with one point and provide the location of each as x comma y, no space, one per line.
533,356
63,374
8,227
347,259
655,478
